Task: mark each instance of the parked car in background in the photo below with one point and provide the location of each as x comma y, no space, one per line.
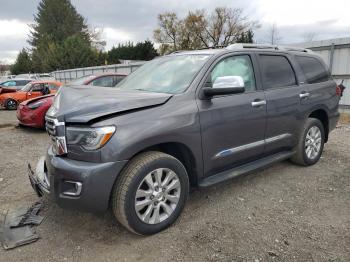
13,85
106,80
32,112
6,77
31,90
46,77
29,76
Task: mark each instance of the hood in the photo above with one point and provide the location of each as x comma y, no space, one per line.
81,104
36,99
4,90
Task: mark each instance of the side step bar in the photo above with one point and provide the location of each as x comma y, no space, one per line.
244,169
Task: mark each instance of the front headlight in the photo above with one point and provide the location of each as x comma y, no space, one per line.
89,138
55,105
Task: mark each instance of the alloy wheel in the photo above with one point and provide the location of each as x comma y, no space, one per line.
157,196
313,142
11,104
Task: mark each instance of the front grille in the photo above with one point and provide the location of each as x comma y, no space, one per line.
50,126
56,131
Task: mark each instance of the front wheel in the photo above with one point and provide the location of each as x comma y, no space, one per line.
11,104
311,142
150,193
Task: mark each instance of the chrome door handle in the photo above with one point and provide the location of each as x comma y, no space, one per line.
258,103
303,95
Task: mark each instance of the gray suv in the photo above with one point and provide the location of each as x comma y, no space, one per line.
188,119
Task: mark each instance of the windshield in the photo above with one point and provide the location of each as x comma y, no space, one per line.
81,80
26,88
168,74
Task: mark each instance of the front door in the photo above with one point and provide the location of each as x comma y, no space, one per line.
35,91
232,126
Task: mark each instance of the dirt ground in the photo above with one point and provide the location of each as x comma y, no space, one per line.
283,213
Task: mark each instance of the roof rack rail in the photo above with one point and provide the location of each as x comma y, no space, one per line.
267,46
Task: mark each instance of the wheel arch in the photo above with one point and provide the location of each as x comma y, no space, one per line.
322,115
182,153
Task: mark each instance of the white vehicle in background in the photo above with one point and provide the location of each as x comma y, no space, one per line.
46,76
6,77
13,84
41,76
27,76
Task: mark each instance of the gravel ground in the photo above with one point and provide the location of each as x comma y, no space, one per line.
283,213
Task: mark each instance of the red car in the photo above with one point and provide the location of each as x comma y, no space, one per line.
105,79
32,112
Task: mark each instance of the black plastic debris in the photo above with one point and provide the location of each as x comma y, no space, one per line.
25,216
16,229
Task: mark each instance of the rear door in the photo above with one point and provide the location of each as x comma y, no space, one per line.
319,86
232,126
284,110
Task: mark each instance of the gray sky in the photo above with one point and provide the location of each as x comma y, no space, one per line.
135,20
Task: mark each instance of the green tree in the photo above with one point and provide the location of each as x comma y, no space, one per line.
246,37
22,64
145,51
60,38
128,51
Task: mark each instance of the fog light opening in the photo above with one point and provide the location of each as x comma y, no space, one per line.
72,188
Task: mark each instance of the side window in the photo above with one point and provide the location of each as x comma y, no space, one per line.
10,83
37,87
117,79
22,82
239,65
277,71
106,81
313,70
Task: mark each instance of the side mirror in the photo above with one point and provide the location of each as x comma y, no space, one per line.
225,85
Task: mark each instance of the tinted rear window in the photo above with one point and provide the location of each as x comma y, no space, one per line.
277,71
23,82
313,70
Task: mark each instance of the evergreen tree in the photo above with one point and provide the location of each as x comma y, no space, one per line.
145,51
246,37
141,51
22,64
60,38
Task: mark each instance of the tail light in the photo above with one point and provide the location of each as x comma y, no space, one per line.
339,90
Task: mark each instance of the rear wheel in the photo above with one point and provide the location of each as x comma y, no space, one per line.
150,193
311,142
11,104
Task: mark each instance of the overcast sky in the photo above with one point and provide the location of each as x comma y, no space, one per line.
135,20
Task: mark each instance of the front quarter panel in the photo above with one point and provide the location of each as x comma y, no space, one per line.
175,121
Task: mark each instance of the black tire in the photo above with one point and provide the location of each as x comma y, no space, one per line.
11,104
127,184
301,157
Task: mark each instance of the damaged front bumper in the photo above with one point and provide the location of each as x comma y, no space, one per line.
38,179
75,184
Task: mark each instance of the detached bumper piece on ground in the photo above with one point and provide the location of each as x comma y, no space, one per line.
16,229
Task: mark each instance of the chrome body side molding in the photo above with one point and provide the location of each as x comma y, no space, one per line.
237,149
